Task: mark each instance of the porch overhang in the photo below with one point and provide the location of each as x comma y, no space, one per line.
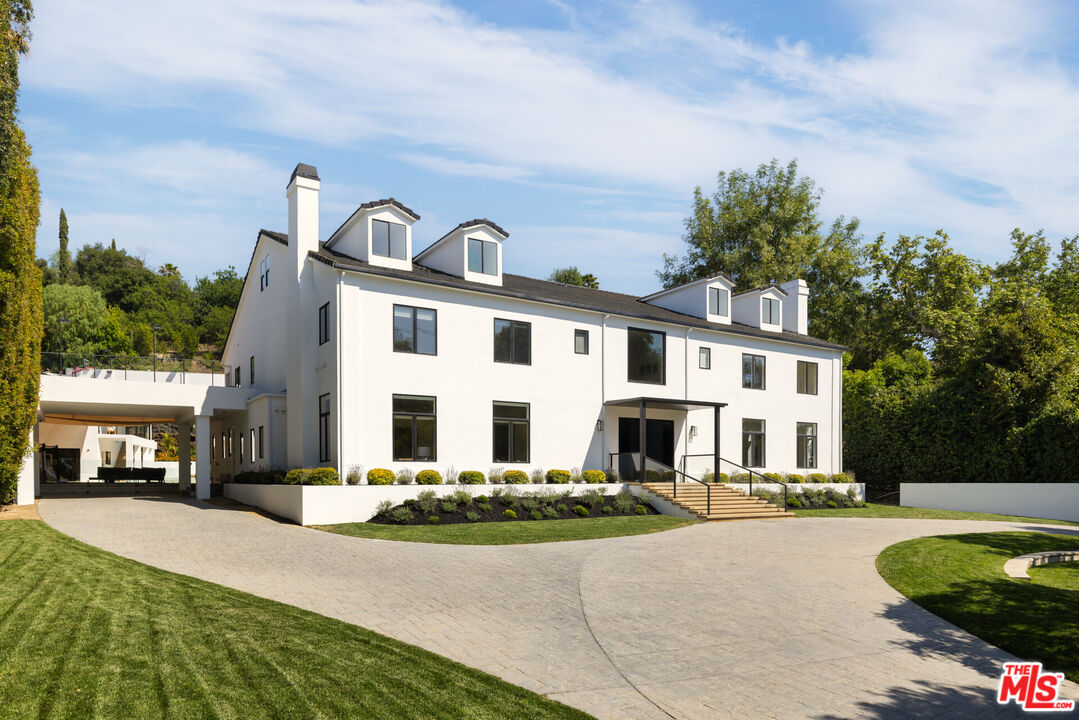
665,403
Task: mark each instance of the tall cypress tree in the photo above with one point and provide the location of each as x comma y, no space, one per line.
65,270
20,277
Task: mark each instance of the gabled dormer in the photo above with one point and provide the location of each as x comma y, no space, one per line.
761,307
707,298
379,233
472,250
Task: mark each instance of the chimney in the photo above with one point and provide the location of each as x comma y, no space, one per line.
796,307
302,194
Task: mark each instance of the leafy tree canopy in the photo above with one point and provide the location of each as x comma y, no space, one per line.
85,315
572,276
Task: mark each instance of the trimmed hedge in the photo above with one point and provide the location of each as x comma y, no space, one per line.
795,478
380,476
428,477
299,476
264,477
471,477
842,478
557,477
817,478
515,477
594,476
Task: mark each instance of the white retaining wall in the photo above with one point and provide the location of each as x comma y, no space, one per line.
1057,501
333,504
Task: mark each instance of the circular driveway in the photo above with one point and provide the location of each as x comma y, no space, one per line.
738,619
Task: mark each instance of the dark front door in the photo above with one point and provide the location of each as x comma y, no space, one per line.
59,464
659,437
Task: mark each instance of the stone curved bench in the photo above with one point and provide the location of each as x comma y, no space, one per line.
1017,567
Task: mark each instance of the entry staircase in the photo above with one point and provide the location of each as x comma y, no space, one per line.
716,501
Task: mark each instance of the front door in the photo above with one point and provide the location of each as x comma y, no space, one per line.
659,440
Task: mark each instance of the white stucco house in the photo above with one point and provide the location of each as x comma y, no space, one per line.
365,350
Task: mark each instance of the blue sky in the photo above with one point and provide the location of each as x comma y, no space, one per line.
581,129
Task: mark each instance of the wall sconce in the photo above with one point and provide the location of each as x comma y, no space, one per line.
692,431
599,425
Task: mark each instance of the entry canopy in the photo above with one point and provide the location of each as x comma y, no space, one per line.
104,420
665,403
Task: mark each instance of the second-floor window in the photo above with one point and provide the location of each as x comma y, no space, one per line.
251,371
513,342
580,342
647,354
415,330
704,359
324,324
769,311
807,377
388,239
717,301
237,374
753,371
482,256
264,273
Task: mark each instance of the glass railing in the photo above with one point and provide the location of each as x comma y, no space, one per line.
160,368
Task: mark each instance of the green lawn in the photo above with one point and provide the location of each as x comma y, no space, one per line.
87,634
961,578
1059,575
892,511
513,533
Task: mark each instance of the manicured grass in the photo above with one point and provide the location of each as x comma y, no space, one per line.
892,511
961,578
1059,575
513,533
87,634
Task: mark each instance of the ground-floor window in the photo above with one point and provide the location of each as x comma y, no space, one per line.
252,444
511,432
807,445
752,442
261,446
324,428
414,436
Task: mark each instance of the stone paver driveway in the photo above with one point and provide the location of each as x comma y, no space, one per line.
745,619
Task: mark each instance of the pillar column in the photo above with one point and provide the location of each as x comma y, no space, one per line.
202,457
183,457
643,444
715,443
29,482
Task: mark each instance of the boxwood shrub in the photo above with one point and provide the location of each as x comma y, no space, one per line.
428,477
263,477
471,477
841,478
594,476
322,476
774,477
817,478
557,477
795,478
740,478
515,477
380,476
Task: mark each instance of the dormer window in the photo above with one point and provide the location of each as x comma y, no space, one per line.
717,301
388,239
769,311
483,256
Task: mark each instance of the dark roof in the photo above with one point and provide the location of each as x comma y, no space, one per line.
304,170
273,235
374,204
475,223
526,288
769,286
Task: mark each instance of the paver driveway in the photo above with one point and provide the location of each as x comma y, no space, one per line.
746,619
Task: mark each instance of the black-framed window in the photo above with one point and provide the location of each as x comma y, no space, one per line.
512,432
807,377
704,358
224,447
806,450
262,446
414,430
770,311
237,378
230,442
324,324
752,442
324,428
251,370
264,273
753,371
213,447
415,330
388,239
483,256
717,301
241,434
647,354
513,342
580,342
251,445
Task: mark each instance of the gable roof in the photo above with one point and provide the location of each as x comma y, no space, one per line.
762,288
371,205
710,278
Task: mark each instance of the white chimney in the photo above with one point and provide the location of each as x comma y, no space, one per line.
796,307
302,194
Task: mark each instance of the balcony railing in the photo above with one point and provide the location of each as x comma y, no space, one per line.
160,368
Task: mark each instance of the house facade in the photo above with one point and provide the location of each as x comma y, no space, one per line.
366,351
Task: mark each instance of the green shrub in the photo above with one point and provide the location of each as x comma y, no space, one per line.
322,476
594,477
383,508
773,477
536,515
740,478
448,506
580,510
428,477
427,501
380,476
817,478
530,503
461,497
623,502
471,477
832,504
515,477
708,477
482,499
644,498
724,478
557,477
794,502
405,477
433,520
641,510
612,475
265,477
607,509
296,476
562,508
472,516
551,513
402,516
652,476
410,502
591,498
509,514
795,478
842,478
483,506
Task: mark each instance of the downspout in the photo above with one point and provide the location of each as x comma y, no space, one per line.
341,470
685,395
603,390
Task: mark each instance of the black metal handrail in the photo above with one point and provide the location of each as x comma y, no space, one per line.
645,459
750,471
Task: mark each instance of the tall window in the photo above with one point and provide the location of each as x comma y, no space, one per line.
324,428
213,447
807,377
770,311
262,447
324,324
704,359
647,353
807,445
237,374
264,273
580,342
224,447
752,442
414,428
511,432
252,445
483,256
251,370
513,342
717,301
241,434
415,330
388,239
753,371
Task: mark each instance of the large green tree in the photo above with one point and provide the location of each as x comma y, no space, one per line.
79,313
20,277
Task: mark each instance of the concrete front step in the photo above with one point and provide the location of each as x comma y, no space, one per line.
726,503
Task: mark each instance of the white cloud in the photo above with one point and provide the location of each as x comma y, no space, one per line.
448,166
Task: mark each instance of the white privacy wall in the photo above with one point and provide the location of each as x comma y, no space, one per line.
1057,501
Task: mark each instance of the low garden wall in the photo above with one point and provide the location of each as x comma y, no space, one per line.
859,488
333,504
1057,501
